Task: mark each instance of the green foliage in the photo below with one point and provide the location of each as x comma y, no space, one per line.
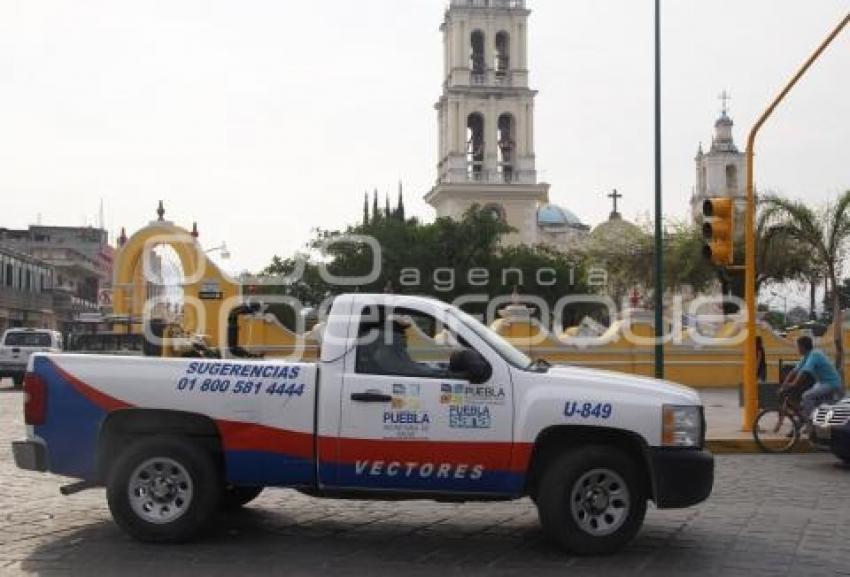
626,252
445,259
823,235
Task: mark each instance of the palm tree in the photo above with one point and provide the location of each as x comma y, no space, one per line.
825,233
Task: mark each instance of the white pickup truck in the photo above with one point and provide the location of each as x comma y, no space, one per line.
411,399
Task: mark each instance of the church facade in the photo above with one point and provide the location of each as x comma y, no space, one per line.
486,126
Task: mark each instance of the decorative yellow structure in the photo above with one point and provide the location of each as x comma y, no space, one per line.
140,290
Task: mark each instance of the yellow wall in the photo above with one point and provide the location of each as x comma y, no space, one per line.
686,363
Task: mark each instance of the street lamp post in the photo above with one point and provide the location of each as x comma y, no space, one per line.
225,252
750,383
659,229
784,307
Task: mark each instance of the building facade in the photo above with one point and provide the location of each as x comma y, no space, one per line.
486,125
26,292
80,260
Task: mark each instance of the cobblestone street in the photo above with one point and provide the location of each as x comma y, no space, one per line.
769,515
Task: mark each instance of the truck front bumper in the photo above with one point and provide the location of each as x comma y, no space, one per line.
835,438
30,455
681,477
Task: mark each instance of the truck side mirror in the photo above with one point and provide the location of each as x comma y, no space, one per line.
472,365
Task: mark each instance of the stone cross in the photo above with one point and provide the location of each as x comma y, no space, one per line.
725,97
615,196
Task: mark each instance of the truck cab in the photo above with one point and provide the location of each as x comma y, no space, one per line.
411,398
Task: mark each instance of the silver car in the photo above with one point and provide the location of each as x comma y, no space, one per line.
18,344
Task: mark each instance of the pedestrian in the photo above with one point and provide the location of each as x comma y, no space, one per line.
761,361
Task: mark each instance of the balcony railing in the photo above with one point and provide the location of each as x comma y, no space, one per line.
490,78
510,4
497,177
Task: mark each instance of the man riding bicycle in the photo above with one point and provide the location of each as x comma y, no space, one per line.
813,381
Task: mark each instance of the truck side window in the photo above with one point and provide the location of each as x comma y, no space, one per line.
404,343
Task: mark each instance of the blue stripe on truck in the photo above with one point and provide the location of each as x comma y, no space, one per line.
72,426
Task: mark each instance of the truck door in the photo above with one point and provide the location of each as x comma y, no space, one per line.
408,422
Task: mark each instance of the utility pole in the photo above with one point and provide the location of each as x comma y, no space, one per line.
751,401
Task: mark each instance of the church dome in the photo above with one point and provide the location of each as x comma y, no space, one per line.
554,215
724,120
615,232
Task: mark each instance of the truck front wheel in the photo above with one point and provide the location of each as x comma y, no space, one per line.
164,489
591,500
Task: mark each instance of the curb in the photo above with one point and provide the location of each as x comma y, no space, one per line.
744,446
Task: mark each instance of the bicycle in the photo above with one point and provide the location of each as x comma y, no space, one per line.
778,429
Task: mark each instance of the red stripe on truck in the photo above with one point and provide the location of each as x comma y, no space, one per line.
102,400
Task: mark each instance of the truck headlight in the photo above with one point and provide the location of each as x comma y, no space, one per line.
681,426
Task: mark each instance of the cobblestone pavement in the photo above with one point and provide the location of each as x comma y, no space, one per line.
769,515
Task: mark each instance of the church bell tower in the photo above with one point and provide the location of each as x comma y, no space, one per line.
486,117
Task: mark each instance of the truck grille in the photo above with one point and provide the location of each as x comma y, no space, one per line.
834,415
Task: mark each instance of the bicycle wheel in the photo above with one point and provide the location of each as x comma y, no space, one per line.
776,431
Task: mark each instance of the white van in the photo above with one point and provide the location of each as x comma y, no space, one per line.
18,344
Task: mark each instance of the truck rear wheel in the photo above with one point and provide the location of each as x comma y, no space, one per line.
591,500
164,489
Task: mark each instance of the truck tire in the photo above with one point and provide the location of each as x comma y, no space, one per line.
235,497
164,489
591,500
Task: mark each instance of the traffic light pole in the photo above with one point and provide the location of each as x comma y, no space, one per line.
750,384
659,225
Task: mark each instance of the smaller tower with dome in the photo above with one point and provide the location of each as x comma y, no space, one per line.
720,172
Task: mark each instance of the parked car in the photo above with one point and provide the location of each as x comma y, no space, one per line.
18,344
831,429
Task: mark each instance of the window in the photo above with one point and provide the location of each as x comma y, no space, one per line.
503,53
475,145
405,343
495,211
505,349
731,177
506,143
477,56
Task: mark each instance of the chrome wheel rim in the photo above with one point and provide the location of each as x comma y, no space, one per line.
160,490
600,502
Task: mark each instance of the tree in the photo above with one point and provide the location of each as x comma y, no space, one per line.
824,233
780,257
445,259
626,252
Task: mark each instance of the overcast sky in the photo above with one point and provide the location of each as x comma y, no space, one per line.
262,119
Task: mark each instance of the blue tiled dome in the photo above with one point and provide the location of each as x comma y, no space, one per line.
552,214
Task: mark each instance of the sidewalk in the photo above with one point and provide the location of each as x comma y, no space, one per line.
724,417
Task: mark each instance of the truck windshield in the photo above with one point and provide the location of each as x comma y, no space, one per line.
506,350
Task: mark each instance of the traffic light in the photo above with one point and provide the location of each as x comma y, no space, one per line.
718,229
